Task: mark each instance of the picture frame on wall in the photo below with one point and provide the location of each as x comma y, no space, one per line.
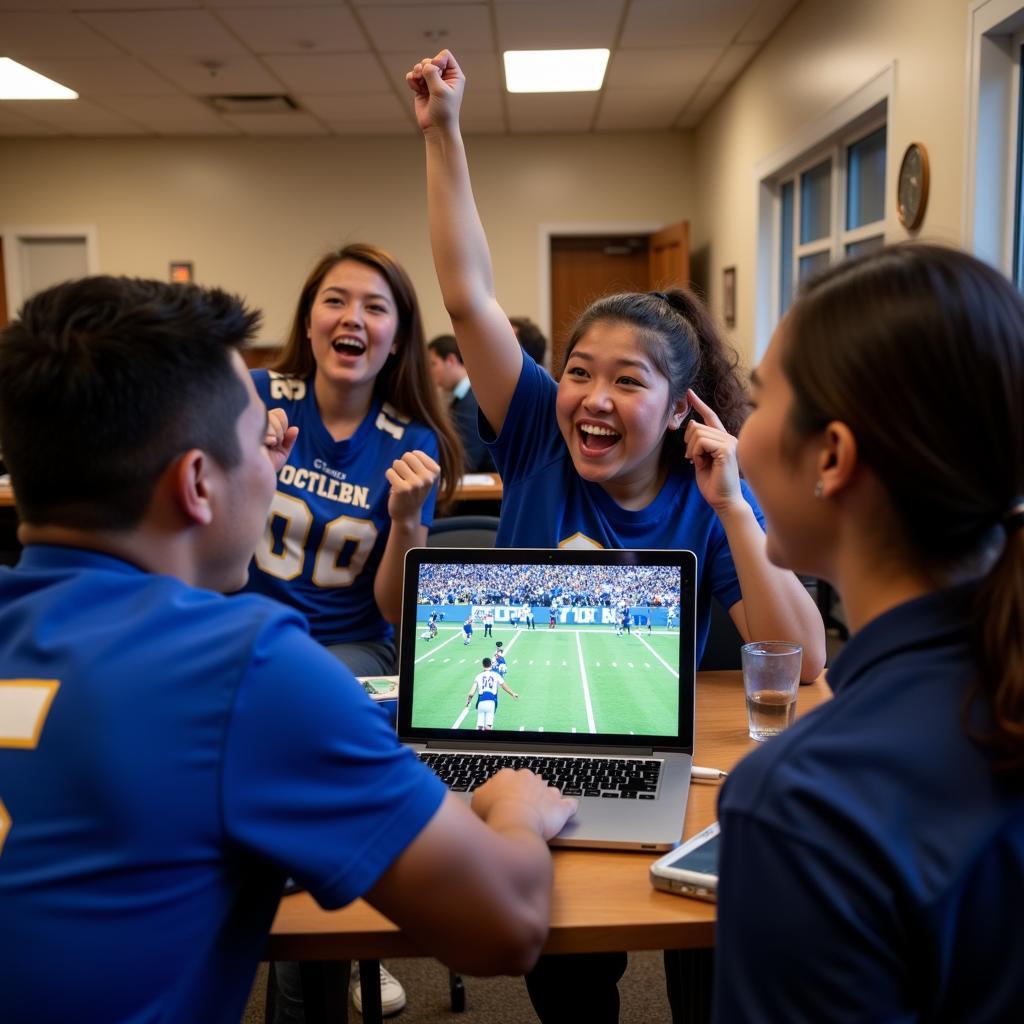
729,296
181,272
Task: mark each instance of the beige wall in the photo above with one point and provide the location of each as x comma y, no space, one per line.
253,215
822,54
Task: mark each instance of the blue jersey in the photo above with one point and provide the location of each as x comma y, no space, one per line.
167,757
546,504
467,628
329,522
890,855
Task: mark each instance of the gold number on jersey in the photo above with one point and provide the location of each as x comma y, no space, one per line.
24,705
294,519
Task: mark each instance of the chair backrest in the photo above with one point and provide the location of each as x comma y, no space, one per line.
724,642
463,532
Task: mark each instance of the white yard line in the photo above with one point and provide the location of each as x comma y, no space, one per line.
461,718
586,688
430,653
657,655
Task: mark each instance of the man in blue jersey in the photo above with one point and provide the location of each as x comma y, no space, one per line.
168,755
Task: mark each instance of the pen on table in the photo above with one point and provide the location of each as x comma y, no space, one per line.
699,774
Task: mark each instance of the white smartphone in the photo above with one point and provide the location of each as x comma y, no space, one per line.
692,868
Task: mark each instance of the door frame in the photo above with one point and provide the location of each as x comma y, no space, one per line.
16,235
545,232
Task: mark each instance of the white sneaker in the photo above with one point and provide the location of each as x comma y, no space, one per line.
392,995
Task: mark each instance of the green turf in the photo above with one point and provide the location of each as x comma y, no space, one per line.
632,680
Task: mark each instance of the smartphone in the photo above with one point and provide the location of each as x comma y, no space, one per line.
690,869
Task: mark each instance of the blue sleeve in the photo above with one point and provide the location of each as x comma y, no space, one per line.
801,935
725,584
529,438
315,780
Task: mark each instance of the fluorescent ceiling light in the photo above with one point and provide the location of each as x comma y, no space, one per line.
555,70
18,82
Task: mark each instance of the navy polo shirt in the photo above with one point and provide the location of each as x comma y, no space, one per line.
872,865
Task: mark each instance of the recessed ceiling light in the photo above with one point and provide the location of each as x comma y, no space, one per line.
555,70
18,82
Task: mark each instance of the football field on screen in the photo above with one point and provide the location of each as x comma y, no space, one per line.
570,679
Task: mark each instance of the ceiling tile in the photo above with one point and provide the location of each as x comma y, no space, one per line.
15,123
31,34
238,75
173,115
103,76
326,74
148,33
395,127
76,117
297,30
765,20
558,25
405,28
733,61
682,68
653,23
551,112
296,123
95,5
638,110
366,106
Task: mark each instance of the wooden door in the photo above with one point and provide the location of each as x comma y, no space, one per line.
585,267
670,256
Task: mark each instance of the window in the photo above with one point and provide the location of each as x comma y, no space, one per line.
995,220
831,204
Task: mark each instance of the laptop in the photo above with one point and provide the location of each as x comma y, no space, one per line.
590,679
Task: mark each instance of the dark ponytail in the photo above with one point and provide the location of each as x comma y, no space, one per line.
681,339
919,350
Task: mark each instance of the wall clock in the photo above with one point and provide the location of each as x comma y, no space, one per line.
912,186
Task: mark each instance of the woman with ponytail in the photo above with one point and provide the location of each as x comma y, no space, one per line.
634,446
872,862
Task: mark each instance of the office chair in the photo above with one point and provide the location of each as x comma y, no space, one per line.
463,532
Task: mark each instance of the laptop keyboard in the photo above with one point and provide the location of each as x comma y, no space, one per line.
602,777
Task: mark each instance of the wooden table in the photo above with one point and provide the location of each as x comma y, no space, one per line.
479,487
602,900
6,496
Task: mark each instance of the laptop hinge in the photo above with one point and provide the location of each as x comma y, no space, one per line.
503,747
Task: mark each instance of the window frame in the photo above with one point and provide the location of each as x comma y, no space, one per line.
836,151
848,116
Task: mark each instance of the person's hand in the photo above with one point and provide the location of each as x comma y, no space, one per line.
280,438
437,84
411,477
520,798
712,450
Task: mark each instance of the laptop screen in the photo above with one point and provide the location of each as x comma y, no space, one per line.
583,647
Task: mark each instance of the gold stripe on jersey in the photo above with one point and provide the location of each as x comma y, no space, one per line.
24,705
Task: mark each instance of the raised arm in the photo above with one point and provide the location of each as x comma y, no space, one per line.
475,889
462,260
775,605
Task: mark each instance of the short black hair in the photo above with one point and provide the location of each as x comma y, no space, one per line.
486,663
445,345
104,381
530,337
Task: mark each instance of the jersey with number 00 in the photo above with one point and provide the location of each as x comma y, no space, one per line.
328,522
546,504
167,756
486,684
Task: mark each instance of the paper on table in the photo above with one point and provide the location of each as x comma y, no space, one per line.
476,480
